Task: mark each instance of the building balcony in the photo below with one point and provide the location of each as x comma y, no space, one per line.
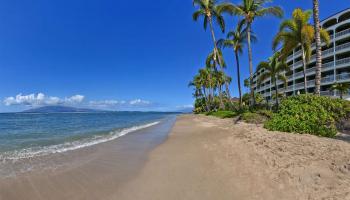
342,33
343,62
343,77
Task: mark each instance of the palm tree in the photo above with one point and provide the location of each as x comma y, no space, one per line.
297,32
211,64
317,27
342,88
250,10
210,10
236,40
274,69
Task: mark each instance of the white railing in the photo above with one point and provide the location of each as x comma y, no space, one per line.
341,33
310,83
298,53
343,61
343,46
310,70
344,76
299,74
327,65
327,79
300,62
324,53
290,57
299,85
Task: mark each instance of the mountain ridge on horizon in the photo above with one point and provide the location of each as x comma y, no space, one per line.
59,109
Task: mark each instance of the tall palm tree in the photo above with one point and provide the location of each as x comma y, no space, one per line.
210,11
342,88
211,64
297,32
236,40
250,10
317,27
274,69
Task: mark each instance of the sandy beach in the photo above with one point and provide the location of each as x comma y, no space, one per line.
202,158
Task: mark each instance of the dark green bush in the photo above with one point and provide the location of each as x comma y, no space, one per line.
309,114
223,114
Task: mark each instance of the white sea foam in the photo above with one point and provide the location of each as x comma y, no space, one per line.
69,146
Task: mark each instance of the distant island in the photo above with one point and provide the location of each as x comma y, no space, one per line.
59,109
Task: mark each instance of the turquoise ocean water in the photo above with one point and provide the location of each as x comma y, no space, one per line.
26,135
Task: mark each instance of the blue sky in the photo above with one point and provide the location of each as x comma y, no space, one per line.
124,55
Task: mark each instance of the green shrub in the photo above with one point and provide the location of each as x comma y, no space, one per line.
223,114
309,114
253,118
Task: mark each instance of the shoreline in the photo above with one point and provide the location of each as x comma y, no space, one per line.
201,158
80,173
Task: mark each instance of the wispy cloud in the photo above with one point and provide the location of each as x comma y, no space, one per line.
41,99
115,104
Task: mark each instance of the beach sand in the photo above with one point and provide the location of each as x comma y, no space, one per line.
205,158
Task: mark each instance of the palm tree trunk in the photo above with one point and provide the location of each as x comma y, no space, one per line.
318,47
276,92
250,58
304,68
215,54
341,94
239,80
206,99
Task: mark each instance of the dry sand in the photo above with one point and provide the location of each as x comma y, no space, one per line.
208,158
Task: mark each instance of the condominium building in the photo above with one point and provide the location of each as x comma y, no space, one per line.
335,63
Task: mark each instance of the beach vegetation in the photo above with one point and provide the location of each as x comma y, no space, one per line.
223,114
309,114
341,88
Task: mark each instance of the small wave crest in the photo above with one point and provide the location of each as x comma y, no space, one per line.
69,146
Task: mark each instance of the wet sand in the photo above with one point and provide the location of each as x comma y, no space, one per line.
202,158
88,173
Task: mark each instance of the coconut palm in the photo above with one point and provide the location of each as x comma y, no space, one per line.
342,88
210,11
317,27
297,32
274,69
236,40
250,10
211,64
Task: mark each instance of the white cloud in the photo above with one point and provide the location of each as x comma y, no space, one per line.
116,103
41,99
185,106
75,99
139,102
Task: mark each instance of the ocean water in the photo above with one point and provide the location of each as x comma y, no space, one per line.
26,135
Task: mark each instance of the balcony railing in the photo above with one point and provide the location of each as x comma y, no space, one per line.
343,46
327,79
326,93
299,74
327,65
300,62
299,85
298,53
341,77
341,33
310,70
343,61
310,83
